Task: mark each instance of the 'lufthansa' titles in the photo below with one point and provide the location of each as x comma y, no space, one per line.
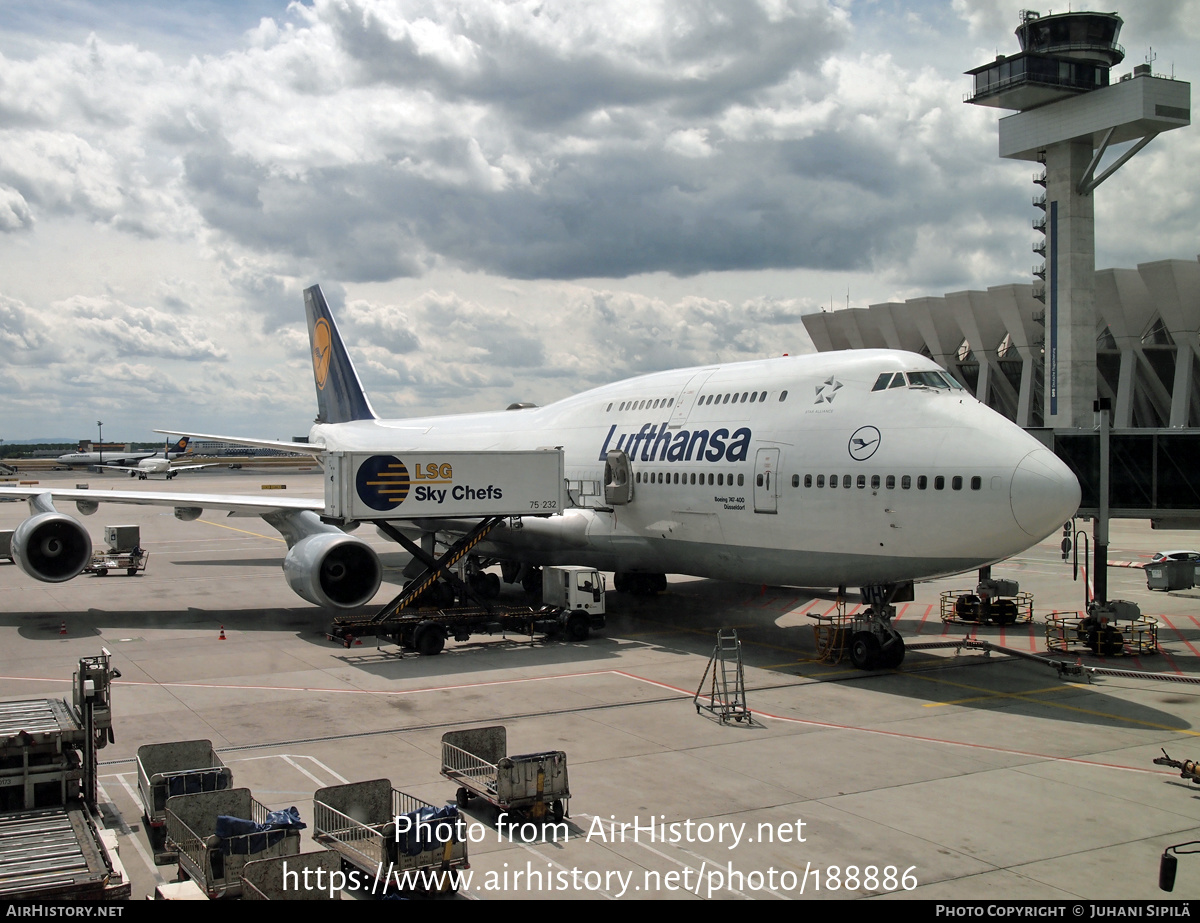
658,443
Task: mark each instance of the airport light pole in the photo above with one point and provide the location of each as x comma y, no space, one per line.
100,440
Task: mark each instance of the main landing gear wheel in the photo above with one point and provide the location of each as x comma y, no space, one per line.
864,650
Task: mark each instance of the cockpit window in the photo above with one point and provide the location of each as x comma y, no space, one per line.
927,380
923,379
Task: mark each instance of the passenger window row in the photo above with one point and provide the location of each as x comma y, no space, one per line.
688,477
648,404
846,481
746,397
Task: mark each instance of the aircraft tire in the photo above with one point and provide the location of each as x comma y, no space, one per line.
864,650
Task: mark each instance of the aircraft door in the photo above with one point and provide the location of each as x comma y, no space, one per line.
687,398
618,478
766,481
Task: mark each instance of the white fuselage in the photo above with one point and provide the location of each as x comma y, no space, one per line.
158,465
928,480
102,458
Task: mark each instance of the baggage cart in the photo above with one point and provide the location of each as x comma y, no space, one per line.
373,826
212,852
179,767
104,561
283,878
528,783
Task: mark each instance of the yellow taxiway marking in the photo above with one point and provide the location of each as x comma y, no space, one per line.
221,525
1027,697
993,695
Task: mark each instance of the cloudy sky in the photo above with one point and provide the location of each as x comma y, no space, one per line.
502,200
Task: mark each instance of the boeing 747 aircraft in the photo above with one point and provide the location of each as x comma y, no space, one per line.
869,468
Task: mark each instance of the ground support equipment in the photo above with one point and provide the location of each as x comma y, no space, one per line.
726,697
213,860
1073,632
131,563
832,633
965,607
179,767
373,826
532,784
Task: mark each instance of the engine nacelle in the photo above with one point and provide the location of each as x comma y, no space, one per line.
51,547
187,513
333,570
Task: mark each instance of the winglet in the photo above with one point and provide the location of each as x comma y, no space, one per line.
340,395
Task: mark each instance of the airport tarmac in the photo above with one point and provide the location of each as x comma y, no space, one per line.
956,776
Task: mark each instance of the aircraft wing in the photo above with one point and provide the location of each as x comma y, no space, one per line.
236,505
301,448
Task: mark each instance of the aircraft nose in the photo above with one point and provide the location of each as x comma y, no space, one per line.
1044,493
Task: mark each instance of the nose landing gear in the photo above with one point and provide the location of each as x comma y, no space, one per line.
875,644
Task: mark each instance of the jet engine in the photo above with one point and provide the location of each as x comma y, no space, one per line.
51,547
333,570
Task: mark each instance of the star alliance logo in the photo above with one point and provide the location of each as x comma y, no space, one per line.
827,390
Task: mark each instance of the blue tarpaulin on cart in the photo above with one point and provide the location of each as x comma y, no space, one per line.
241,837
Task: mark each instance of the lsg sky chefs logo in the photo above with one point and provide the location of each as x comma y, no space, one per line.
383,482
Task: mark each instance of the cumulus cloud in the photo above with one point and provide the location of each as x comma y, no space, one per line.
131,331
510,200
15,214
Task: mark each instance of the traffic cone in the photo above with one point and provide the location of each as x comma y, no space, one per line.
222,637
62,628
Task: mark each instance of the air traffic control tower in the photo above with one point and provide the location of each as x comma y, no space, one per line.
1068,115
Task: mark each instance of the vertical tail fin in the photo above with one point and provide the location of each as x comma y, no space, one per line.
177,449
340,395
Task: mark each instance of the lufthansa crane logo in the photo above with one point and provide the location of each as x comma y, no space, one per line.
382,482
863,443
320,351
